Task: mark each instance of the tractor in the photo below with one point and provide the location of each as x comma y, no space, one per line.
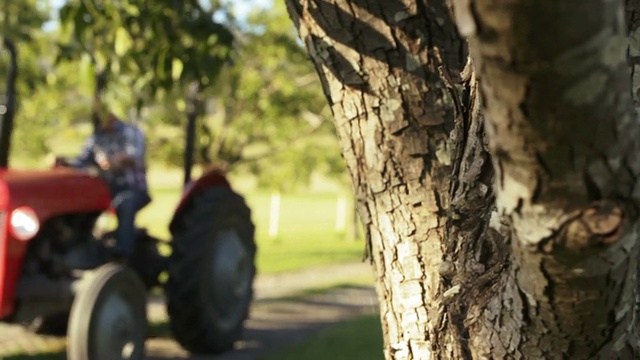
56,273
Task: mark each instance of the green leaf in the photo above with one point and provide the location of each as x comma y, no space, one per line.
51,79
87,73
116,67
176,69
102,59
123,41
142,82
131,9
181,105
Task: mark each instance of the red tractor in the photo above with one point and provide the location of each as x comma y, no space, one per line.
55,272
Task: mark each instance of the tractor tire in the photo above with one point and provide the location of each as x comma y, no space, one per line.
108,317
211,271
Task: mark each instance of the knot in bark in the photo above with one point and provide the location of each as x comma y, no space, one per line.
600,224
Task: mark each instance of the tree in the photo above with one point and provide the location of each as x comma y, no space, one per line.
272,120
160,53
150,47
499,194
265,114
21,23
18,20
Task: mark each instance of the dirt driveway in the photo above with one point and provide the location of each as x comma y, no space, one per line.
279,315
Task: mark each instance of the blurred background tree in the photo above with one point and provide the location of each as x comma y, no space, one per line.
267,114
260,108
22,21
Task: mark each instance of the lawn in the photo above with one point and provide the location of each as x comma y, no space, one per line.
307,232
359,339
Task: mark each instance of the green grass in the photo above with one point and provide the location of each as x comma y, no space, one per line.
307,235
44,356
358,339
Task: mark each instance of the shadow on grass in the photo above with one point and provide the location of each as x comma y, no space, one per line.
305,294
159,329
155,330
60,355
357,339
277,323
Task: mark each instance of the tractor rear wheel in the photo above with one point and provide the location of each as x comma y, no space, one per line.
108,318
211,271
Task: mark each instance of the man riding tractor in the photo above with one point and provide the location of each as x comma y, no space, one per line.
117,149
53,265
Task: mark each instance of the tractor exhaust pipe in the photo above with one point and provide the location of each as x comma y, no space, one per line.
190,138
6,126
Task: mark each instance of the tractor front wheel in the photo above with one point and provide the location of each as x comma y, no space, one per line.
211,271
108,316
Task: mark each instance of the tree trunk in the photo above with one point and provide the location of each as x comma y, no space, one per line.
193,90
565,147
7,117
546,266
100,77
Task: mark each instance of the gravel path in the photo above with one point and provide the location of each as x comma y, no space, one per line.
279,315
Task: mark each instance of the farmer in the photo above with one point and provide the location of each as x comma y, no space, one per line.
118,149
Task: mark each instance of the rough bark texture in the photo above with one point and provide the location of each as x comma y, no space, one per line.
565,150
633,48
545,267
379,64
633,59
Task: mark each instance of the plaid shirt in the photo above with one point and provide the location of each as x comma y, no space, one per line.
125,138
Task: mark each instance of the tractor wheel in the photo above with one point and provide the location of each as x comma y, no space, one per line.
211,271
108,317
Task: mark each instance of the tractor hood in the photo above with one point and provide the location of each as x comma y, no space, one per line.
48,193
52,192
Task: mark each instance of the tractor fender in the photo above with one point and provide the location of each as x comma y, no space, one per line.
209,179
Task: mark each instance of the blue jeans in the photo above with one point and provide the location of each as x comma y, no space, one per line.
127,203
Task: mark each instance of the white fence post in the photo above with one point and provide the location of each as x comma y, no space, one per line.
341,213
274,214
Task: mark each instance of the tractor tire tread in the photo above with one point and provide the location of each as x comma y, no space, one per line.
207,213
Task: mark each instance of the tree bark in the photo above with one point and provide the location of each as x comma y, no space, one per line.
378,64
6,123
564,142
545,267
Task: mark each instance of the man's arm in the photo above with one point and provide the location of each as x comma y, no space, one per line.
136,145
86,155
134,149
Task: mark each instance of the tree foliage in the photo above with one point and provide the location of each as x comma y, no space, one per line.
150,46
266,114
273,100
262,107
22,21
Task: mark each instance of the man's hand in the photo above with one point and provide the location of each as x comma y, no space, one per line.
121,161
60,161
103,161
